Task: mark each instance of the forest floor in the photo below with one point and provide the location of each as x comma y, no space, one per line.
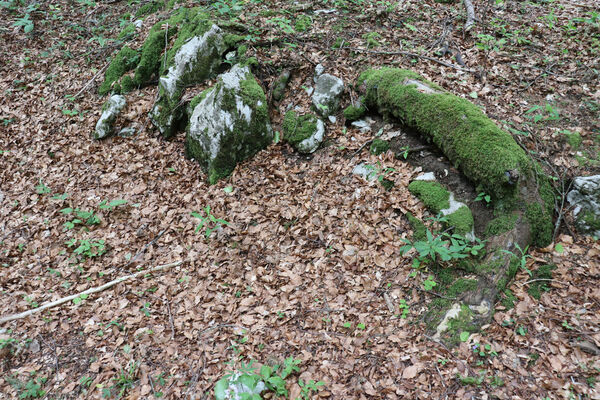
308,265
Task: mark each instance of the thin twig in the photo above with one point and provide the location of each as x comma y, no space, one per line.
170,319
91,81
85,292
409,54
368,142
545,280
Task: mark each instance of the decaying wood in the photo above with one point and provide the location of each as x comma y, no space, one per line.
86,292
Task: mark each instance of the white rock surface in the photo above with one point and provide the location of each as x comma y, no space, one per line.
585,197
112,108
187,57
312,143
326,97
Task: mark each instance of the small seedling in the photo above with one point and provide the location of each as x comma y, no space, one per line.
210,223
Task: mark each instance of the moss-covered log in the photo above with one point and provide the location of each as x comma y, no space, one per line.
521,195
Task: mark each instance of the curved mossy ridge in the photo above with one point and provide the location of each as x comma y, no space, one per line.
521,195
228,124
305,133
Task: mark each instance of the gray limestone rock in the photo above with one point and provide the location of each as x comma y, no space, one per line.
197,60
326,97
229,123
585,197
110,111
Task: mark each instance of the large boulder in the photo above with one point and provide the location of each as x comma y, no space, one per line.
585,197
110,112
229,123
196,60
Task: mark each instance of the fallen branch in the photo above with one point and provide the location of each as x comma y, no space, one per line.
470,14
409,54
91,80
86,292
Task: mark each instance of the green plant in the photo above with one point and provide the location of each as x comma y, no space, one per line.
87,248
378,171
282,23
126,379
404,307
25,20
31,389
489,42
145,309
522,258
538,113
429,283
230,7
42,189
250,383
81,217
209,222
483,196
105,205
307,388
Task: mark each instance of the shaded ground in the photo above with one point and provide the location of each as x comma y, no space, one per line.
308,265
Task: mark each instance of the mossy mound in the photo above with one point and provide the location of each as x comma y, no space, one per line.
379,146
149,8
352,113
304,132
432,194
125,60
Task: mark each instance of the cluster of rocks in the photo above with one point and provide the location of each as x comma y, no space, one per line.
228,122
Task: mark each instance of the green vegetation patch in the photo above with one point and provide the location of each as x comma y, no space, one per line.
149,8
298,128
544,275
418,227
303,23
501,224
151,55
461,220
352,113
379,146
125,60
432,194
574,139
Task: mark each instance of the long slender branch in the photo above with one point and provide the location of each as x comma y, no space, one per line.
470,14
89,291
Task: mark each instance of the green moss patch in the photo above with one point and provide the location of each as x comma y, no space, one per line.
150,8
501,224
432,194
125,60
379,146
352,113
418,227
461,220
151,55
471,141
297,128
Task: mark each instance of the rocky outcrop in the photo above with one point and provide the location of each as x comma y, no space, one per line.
229,123
193,62
585,197
110,111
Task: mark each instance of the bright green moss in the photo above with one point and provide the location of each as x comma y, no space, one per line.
501,224
150,59
432,194
127,32
574,139
541,225
279,85
149,8
418,227
508,299
461,220
303,23
352,113
127,84
379,146
125,60
371,39
472,142
296,129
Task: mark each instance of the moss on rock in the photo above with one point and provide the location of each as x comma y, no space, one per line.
461,220
352,113
125,60
501,224
151,55
149,8
127,84
432,194
298,128
379,146
418,227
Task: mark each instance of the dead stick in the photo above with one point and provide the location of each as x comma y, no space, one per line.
91,81
470,15
89,291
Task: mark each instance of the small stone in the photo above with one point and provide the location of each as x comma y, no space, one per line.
332,119
326,97
585,197
111,110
